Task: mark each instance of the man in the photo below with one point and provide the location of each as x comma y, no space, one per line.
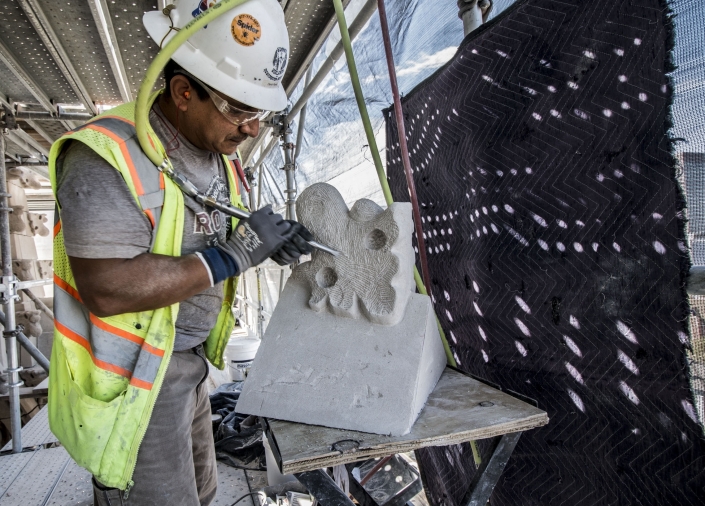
145,275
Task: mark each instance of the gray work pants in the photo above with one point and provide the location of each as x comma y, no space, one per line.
176,461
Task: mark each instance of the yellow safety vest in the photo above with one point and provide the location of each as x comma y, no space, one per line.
106,373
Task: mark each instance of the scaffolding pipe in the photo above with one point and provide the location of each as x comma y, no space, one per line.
49,116
302,118
473,13
28,345
258,271
8,299
265,152
290,170
38,303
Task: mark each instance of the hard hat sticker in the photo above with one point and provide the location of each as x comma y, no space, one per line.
246,30
203,6
278,65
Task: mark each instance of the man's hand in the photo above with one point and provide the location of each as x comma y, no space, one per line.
295,245
264,234
257,238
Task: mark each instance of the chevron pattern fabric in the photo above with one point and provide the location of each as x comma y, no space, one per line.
555,233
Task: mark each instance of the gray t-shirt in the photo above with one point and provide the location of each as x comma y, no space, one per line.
100,218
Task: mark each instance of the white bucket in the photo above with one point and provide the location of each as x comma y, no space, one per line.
240,353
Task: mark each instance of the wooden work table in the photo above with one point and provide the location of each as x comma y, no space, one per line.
460,409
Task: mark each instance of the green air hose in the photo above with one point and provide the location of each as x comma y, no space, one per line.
155,70
360,98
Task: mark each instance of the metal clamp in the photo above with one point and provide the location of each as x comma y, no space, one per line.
7,334
164,165
8,290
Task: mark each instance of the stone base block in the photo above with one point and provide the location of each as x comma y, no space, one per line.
23,247
321,369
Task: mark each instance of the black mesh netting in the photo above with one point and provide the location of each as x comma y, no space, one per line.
556,237
689,129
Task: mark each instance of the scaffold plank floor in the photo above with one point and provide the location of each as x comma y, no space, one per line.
49,476
36,432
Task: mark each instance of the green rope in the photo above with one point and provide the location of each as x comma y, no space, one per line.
360,98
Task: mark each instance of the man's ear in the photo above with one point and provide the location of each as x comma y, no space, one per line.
181,92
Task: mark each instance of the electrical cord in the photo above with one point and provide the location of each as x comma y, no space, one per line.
248,495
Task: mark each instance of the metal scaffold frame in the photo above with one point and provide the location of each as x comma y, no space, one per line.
9,293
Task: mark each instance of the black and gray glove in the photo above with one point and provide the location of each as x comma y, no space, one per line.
257,238
262,235
296,244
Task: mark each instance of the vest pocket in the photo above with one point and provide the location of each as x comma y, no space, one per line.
82,424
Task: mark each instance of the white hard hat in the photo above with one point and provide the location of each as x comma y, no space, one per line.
242,54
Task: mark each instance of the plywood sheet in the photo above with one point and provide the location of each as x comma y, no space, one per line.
460,409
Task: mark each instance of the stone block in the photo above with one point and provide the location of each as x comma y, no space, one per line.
24,178
18,197
36,224
31,321
23,247
19,223
318,368
349,344
25,270
45,269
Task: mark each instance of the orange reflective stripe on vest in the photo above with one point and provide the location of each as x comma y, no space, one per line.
111,348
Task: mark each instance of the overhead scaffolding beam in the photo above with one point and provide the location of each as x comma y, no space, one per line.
30,140
356,27
41,25
22,139
5,101
101,16
35,126
303,67
20,73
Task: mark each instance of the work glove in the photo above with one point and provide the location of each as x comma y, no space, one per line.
257,238
262,235
296,244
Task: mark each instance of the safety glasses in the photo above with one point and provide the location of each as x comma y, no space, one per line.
234,114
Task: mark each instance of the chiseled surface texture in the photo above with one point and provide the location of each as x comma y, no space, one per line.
374,276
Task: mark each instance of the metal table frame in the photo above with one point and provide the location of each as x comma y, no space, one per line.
324,489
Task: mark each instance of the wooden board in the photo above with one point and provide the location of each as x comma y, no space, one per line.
460,409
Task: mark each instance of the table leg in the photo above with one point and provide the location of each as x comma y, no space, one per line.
490,470
323,488
357,490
